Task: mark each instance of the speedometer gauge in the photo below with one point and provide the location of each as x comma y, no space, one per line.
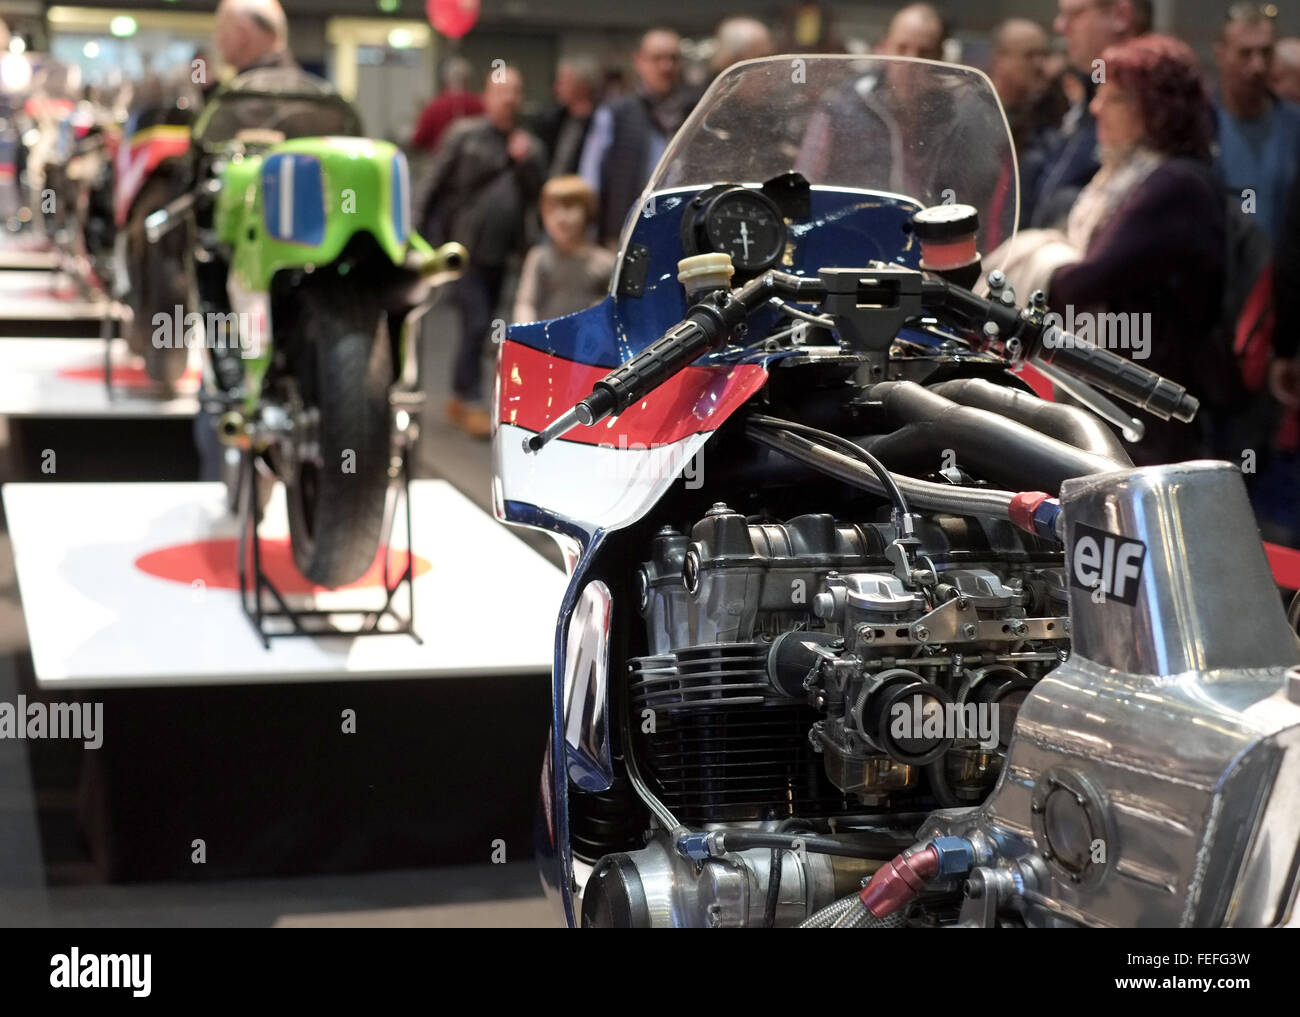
739,222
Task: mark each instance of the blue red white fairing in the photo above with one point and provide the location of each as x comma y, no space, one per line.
603,478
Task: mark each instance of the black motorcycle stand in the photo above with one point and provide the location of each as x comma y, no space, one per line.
317,622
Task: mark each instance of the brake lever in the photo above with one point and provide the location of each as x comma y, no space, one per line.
1131,428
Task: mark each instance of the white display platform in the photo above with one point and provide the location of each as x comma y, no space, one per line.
43,295
34,260
65,378
487,605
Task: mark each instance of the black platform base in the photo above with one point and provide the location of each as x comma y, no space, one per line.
438,772
103,449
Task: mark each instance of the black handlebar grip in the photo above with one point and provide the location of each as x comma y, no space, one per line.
1118,376
698,332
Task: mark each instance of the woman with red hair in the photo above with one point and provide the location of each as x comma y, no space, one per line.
1145,239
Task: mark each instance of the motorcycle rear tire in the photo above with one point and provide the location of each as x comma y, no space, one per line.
344,370
158,285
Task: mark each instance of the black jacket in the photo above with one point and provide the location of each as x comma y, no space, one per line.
1162,253
477,194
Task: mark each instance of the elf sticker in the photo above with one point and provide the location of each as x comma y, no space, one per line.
1107,562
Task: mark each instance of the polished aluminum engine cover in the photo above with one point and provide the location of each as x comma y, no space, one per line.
1154,778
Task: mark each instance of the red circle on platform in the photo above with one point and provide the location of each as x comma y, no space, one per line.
124,375
212,562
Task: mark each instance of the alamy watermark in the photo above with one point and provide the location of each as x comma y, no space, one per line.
83,722
924,718
1131,332
661,461
77,970
242,330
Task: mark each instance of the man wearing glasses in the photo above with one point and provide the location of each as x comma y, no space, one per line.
1053,176
1259,135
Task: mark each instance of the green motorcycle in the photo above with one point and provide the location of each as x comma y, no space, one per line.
311,281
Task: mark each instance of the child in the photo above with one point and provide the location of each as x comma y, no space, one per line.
571,272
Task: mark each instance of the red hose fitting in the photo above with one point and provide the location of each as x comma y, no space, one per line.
1023,506
900,881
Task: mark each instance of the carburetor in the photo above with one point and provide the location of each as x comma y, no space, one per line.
899,667
921,675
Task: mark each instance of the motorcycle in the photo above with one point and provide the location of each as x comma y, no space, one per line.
309,277
79,179
861,632
149,172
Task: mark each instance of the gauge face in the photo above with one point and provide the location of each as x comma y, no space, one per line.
747,226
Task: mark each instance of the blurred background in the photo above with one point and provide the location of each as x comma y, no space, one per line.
384,54
412,69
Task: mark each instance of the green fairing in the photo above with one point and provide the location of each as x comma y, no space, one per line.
358,196
357,176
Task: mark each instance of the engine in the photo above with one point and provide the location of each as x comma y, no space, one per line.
858,674
849,724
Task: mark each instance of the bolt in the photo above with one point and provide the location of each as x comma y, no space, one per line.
969,631
997,280
921,633
1018,627
991,330
963,603
1008,297
1065,624
1038,298
719,509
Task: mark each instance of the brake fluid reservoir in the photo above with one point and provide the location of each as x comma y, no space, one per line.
705,273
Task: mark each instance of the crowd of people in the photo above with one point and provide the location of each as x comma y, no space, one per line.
1149,184
584,162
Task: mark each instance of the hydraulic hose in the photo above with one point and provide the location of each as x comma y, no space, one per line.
828,915
850,913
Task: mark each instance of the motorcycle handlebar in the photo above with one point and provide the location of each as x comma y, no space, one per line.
701,330
705,327
1111,373
1117,376
710,322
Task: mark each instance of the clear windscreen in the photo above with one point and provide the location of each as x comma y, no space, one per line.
929,131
